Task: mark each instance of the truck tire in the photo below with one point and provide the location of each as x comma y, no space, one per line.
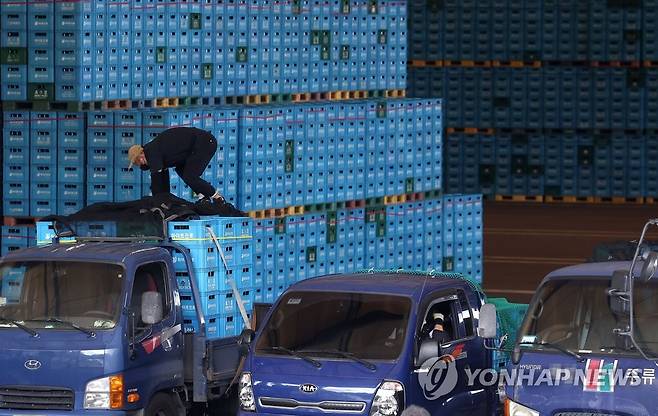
161,405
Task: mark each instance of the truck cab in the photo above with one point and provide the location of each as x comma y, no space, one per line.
359,344
589,342
97,326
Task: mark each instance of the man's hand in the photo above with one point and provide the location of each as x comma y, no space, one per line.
447,359
217,197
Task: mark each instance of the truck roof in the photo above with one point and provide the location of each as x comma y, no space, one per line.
406,284
602,269
115,252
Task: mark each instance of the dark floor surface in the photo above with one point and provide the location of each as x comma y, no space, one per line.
525,241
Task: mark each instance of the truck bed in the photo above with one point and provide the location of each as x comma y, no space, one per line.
222,359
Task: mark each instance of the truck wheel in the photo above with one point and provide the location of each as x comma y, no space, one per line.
161,405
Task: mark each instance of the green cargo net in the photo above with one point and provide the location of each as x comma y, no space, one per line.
433,274
510,318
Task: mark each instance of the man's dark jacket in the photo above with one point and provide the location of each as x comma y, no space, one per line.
188,150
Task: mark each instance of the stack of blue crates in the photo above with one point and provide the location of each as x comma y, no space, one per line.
542,98
127,132
43,163
555,163
27,50
144,50
212,275
16,163
100,156
16,238
13,44
441,234
532,30
292,155
71,155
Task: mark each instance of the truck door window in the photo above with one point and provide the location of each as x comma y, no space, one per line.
443,310
149,278
457,318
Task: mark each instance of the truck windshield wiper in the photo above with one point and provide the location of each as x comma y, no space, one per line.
19,325
294,353
343,354
556,347
90,333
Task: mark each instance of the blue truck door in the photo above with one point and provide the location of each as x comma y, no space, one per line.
441,385
158,356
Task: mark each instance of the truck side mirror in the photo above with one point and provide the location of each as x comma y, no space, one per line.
487,322
619,287
649,266
429,348
151,307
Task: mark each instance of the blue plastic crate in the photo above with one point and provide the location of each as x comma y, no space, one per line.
43,190
100,174
209,303
16,173
99,192
71,156
69,206
95,228
225,326
70,131
70,191
16,237
204,256
13,38
12,282
206,279
13,74
16,91
42,207
16,207
127,192
16,155
43,173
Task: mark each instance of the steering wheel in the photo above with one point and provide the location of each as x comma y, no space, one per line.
565,330
99,314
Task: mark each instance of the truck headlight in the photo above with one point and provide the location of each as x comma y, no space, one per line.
104,393
389,399
246,393
515,409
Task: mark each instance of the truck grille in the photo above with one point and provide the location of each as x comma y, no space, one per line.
36,398
584,414
327,406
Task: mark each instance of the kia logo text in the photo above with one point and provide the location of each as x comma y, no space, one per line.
308,388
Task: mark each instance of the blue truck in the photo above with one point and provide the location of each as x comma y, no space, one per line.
589,342
358,344
94,326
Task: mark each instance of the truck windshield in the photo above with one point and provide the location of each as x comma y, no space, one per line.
572,314
60,295
645,316
367,326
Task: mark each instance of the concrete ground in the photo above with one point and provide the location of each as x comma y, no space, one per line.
525,241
